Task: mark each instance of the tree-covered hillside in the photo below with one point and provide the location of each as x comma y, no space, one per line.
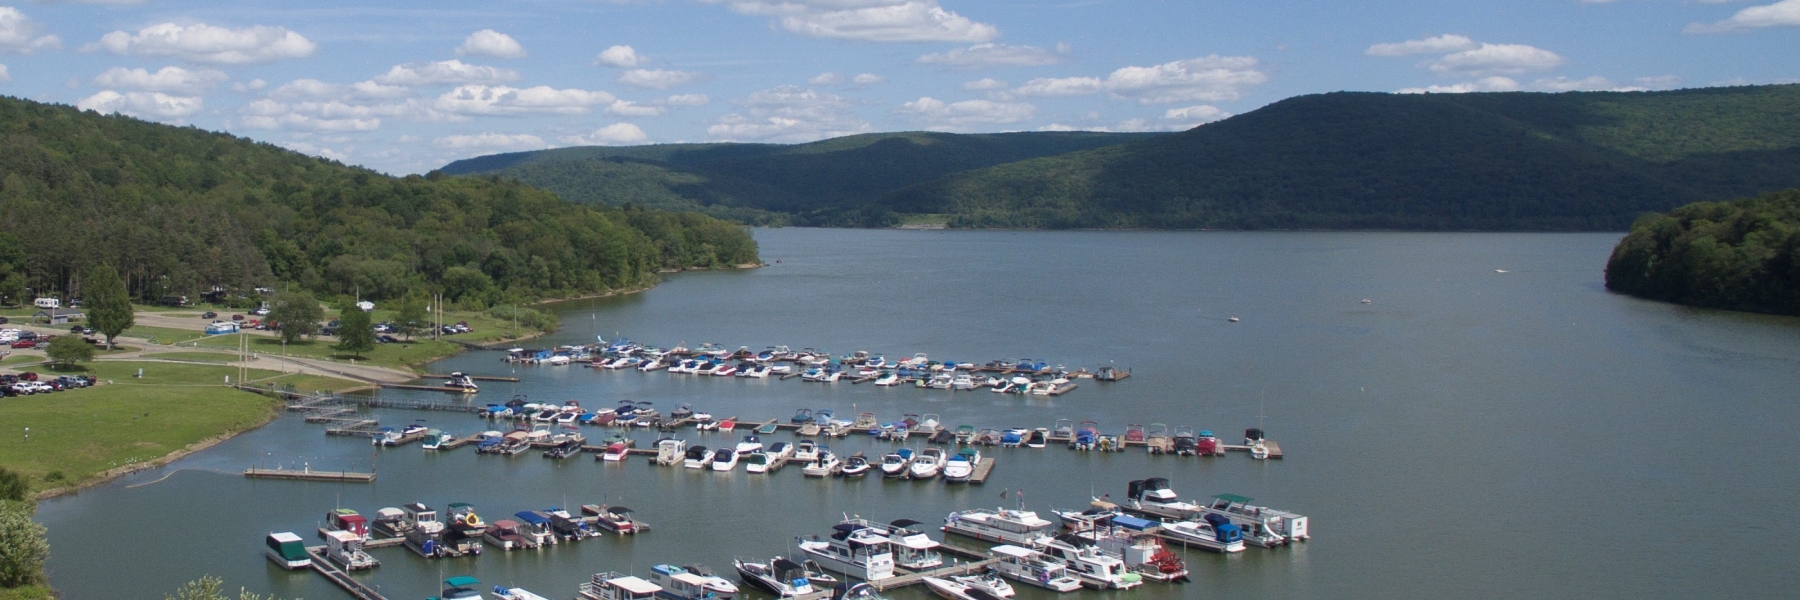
179,210
1739,255
833,181
1571,161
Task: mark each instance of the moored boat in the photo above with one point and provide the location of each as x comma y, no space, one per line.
346,549
1006,526
854,550
1031,567
958,468
287,551
780,576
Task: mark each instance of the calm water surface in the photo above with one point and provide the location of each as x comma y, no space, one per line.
1467,433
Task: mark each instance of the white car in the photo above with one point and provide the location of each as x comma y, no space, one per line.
23,388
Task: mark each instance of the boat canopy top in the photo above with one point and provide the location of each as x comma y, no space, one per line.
1013,551
462,581
1233,498
1133,523
1074,540
532,517
904,523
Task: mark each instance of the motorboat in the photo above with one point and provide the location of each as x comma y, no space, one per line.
724,459
536,526
1031,567
707,368
987,582
616,452
802,416
956,590
856,550
616,519
989,437
386,436
696,457
927,464
780,451
750,444
965,434
896,464
756,462
1013,438
1156,438
1213,532
460,588
1209,445
1084,559
505,535
1039,438
928,424
780,576
615,586
957,469
346,520
855,466
516,593
1153,497
436,439
687,583
823,466
683,411
670,451
757,372
568,526
1127,538
287,551
913,549
1185,443
1006,526
806,451
725,371
887,379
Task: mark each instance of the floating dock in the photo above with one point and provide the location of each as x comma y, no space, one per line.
356,589
309,475
474,377
428,388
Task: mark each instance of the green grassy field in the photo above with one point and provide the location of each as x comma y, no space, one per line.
33,592
400,356
78,434
162,335
212,357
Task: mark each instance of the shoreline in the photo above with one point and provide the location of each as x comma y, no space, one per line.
109,475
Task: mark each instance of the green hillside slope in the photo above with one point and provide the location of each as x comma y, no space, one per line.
179,210
1573,161
826,182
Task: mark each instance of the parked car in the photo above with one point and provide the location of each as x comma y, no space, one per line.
260,311
387,339
22,388
3,320
25,344
209,315
237,317
28,376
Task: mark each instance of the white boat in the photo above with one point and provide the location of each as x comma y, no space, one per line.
1153,497
750,444
558,360
346,549
988,582
617,586
780,451
913,549
725,371
962,381
671,451
287,550
1262,526
806,451
690,583
958,468
516,594
756,462
652,365
855,466
886,379
758,372
782,577
897,463
1006,526
436,439
928,463
724,459
696,457
854,550
823,466
1031,567
1096,569
957,590
616,452
1216,537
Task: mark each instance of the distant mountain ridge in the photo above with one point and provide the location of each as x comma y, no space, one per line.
1576,161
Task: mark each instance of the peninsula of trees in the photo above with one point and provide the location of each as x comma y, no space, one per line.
178,210
1739,255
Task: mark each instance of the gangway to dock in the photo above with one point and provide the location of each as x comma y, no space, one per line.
356,589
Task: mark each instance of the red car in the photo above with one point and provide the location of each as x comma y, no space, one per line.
25,344
28,376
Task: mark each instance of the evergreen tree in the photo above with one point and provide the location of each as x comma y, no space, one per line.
107,303
355,333
297,314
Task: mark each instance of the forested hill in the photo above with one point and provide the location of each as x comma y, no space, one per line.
1509,161
178,210
831,182
1739,255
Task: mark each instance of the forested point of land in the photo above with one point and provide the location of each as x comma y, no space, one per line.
1738,255
178,210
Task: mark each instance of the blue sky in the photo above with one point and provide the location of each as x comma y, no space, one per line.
404,87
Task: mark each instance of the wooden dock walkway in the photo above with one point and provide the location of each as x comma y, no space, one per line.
356,589
309,475
427,388
983,468
918,577
474,377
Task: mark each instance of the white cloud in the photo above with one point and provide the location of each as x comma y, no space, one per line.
300,122
1059,86
938,114
1190,116
167,79
1785,13
867,79
1211,78
688,100
249,86
5,75
490,43
315,89
1431,45
623,57
446,72
788,114
616,134
1497,59
868,20
1486,84
1587,84
661,79
826,78
319,151
503,100
985,83
627,108
987,56
150,105
19,33
511,142
209,44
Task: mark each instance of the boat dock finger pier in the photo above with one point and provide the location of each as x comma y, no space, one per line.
309,475
356,589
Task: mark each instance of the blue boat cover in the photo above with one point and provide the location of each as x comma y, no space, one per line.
1131,522
531,517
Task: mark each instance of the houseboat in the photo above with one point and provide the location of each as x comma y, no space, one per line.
287,550
1265,527
854,550
689,583
346,549
1096,569
617,586
1031,567
1006,526
505,535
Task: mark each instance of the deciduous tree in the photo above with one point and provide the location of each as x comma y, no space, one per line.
107,303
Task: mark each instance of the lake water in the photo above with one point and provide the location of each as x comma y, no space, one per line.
1465,433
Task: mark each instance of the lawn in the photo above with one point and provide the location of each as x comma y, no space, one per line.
400,356
211,357
21,358
31,592
78,434
162,335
